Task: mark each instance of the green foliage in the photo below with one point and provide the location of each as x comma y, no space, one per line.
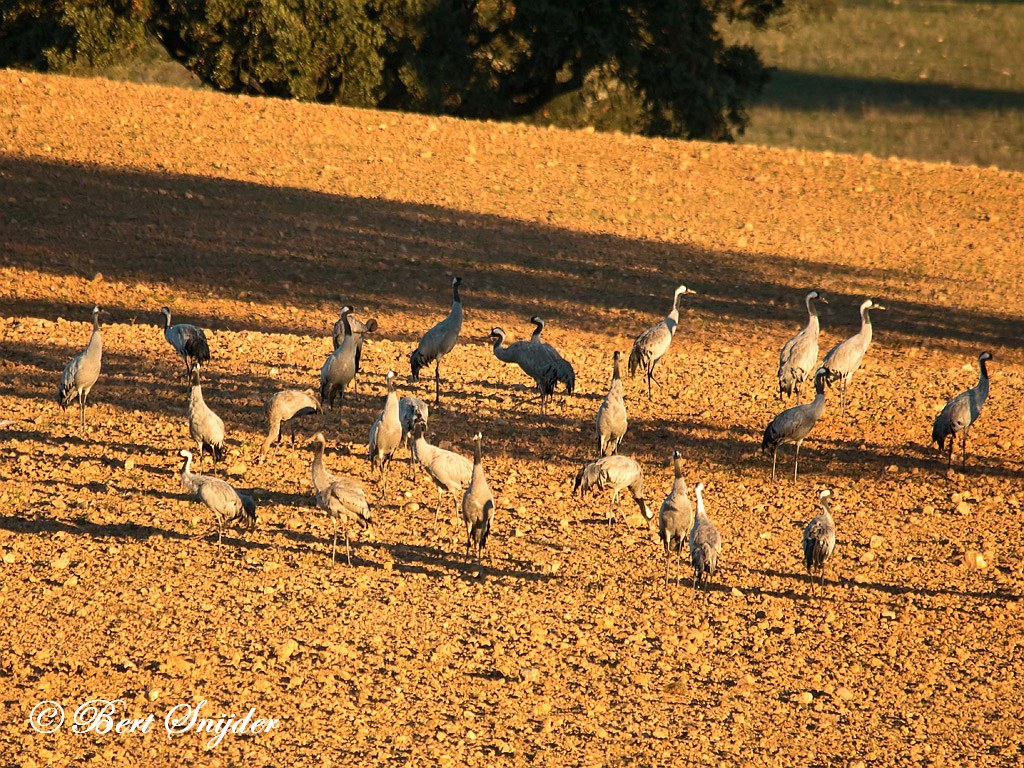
480,58
69,35
664,63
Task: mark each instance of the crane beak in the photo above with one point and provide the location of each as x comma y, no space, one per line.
877,306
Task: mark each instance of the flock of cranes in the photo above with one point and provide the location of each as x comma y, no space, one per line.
403,422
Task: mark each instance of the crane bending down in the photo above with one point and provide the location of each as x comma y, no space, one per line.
438,342
794,424
651,345
799,356
450,472
227,504
617,473
843,360
960,413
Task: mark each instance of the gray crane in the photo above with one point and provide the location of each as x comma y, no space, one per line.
80,375
189,341
340,496
205,426
611,415
819,539
617,473
477,505
359,329
705,542
564,369
450,472
409,410
960,413
651,345
227,504
675,518
386,433
340,366
843,360
799,355
533,359
438,342
794,424
284,406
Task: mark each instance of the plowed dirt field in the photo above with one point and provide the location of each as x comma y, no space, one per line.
258,219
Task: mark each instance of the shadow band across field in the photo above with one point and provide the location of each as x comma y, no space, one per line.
250,241
790,89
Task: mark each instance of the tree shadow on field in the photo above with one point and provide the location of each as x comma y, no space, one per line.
893,589
246,241
82,527
789,89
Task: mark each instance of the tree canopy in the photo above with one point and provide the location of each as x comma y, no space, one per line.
500,59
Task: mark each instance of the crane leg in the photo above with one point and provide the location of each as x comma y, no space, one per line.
775,456
963,455
348,548
796,459
437,381
81,408
334,542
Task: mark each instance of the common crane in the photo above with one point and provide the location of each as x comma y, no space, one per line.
227,504
340,366
794,424
611,415
960,413
651,345
564,369
799,355
80,375
617,473
843,360
705,542
340,496
477,505
819,539
439,341
189,341
675,518
533,359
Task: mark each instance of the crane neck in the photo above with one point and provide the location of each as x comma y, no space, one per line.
984,370
346,324
865,318
616,375
167,320
677,465
700,502
186,466
477,453
320,479
812,311
95,321
455,294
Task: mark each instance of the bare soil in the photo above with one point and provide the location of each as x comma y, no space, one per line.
258,219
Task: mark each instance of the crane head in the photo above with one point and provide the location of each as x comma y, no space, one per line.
984,356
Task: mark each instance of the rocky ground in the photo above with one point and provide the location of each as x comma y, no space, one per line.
258,219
